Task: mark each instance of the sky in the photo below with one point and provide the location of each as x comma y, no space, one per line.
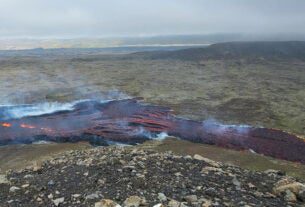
104,18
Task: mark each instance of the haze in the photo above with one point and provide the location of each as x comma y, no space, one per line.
96,18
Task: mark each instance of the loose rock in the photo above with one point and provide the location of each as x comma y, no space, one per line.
58,201
210,162
286,185
162,197
3,179
154,178
13,189
134,201
106,203
92,196
191,198
290,196
173,203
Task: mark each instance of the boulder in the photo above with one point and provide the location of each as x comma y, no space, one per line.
294,187
289,186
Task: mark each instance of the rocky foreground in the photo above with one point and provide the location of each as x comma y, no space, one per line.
128,176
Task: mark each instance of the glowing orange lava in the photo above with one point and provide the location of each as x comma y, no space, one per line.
6,124
27,126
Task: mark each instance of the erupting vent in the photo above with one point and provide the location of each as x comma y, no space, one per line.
128,121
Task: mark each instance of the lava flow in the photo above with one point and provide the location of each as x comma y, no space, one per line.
129,121
27,126
6,124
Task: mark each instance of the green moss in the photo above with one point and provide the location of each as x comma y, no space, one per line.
265,93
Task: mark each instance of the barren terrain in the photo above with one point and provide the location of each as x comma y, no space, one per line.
261,91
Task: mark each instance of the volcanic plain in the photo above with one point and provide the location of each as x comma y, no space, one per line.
242,84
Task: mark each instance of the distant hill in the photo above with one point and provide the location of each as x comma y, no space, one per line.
106,42
154,40
92,51
229,50
235,50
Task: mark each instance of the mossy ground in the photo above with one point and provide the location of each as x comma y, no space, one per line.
262,93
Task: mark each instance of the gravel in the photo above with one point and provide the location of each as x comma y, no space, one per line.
128,176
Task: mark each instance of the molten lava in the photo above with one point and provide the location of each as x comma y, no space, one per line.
27,126
6,124
128,121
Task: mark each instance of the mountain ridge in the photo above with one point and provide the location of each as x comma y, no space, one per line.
235,50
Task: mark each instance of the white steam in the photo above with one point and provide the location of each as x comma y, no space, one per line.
161,136
16,111
19,111
217,127
141,131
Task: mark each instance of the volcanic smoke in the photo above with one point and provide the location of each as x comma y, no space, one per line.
130,121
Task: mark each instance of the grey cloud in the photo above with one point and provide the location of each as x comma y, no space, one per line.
43,18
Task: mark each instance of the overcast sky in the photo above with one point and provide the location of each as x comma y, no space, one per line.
93,18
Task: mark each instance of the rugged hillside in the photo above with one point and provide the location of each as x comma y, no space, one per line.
136,177
236,50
